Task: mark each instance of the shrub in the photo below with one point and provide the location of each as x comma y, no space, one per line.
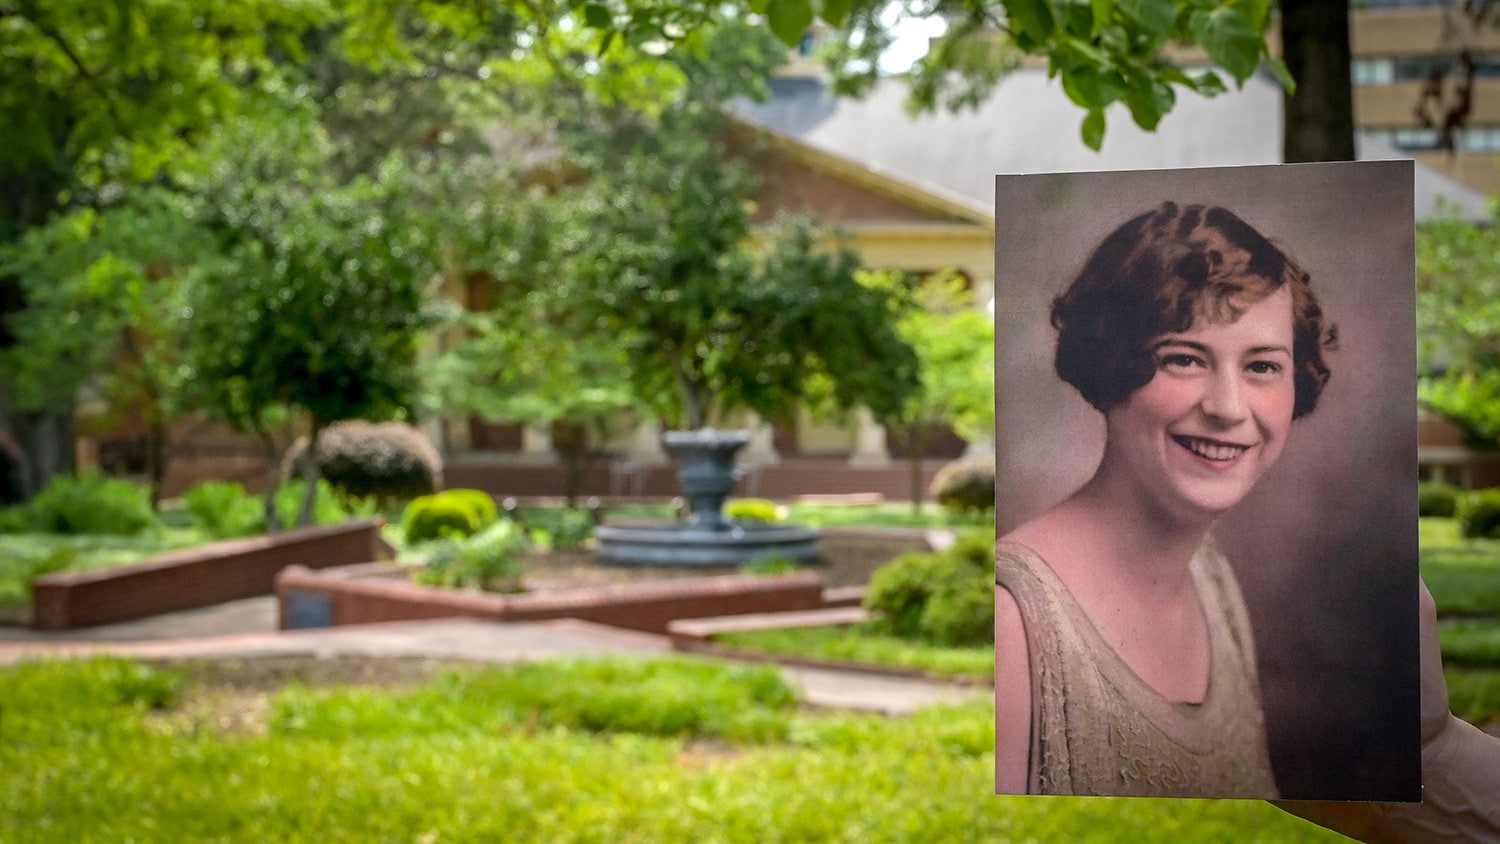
966,485
754,509
946,598
770,565
223,510
387,461
91,504
482,502
326,509
491,559
454,512
564,530
1435,498
1479,514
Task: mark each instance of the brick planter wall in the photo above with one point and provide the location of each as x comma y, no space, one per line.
195,577
333,598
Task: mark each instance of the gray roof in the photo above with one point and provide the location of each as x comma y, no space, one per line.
1029,126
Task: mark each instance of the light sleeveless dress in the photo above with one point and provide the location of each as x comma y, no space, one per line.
1098,729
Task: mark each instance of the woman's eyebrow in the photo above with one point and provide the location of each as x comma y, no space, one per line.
1265,350
1178,341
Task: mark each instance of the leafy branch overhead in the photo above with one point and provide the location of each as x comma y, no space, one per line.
1104,51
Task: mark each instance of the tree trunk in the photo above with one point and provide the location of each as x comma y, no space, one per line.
1319,118
273,480
311,474
46,441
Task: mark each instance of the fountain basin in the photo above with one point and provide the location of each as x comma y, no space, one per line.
680,544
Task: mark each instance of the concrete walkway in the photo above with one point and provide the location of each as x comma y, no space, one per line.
248,629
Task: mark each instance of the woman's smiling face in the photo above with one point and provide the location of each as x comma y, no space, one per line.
1215,415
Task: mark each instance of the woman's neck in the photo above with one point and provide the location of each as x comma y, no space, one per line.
1147,550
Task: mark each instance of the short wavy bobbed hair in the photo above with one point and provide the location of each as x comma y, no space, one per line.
1166,271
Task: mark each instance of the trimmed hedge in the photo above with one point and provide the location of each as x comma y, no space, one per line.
1479,514
966,485
387,461
456,513
1435,498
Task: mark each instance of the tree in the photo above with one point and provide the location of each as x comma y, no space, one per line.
105,293
1458,321
98,95
317,300
955,344
655,250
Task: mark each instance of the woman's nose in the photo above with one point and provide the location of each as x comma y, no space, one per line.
1222,399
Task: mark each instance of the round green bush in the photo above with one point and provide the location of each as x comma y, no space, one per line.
1435,498
223,509
966,485
450,513
752,509
482,502
387,461
946,597
91,504
1479,514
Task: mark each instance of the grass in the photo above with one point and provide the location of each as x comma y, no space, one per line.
1463,574
27,555
860,644
112,751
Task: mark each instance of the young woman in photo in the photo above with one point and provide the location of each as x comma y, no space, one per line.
1200,341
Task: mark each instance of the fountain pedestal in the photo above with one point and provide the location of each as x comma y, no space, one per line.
707,537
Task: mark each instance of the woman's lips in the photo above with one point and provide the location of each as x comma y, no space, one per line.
1214,451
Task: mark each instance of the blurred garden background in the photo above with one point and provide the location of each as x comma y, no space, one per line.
457,266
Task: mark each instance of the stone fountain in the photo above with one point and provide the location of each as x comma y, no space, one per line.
707,537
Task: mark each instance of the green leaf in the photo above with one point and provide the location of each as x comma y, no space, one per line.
1033,18
1257,12
598,16
1091,87
1279,72
1154,16
1103,9
758,7
1229,39
1093,129
833,12
790,19
1150,102
1208,84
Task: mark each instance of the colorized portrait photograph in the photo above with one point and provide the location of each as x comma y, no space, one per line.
1206,483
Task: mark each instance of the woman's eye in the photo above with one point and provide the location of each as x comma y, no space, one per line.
1180,361
1263,367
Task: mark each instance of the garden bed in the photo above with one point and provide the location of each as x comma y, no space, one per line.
366,594
198,576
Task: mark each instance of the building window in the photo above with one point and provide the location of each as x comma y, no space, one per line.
1372,72
1479,139
1384,70
1407,139
1361,5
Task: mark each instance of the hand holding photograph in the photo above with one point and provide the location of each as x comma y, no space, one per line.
1187,345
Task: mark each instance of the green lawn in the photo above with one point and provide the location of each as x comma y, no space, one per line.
26,555
1463,574
857,643
634,751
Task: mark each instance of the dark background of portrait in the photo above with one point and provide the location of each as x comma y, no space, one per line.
1325,546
